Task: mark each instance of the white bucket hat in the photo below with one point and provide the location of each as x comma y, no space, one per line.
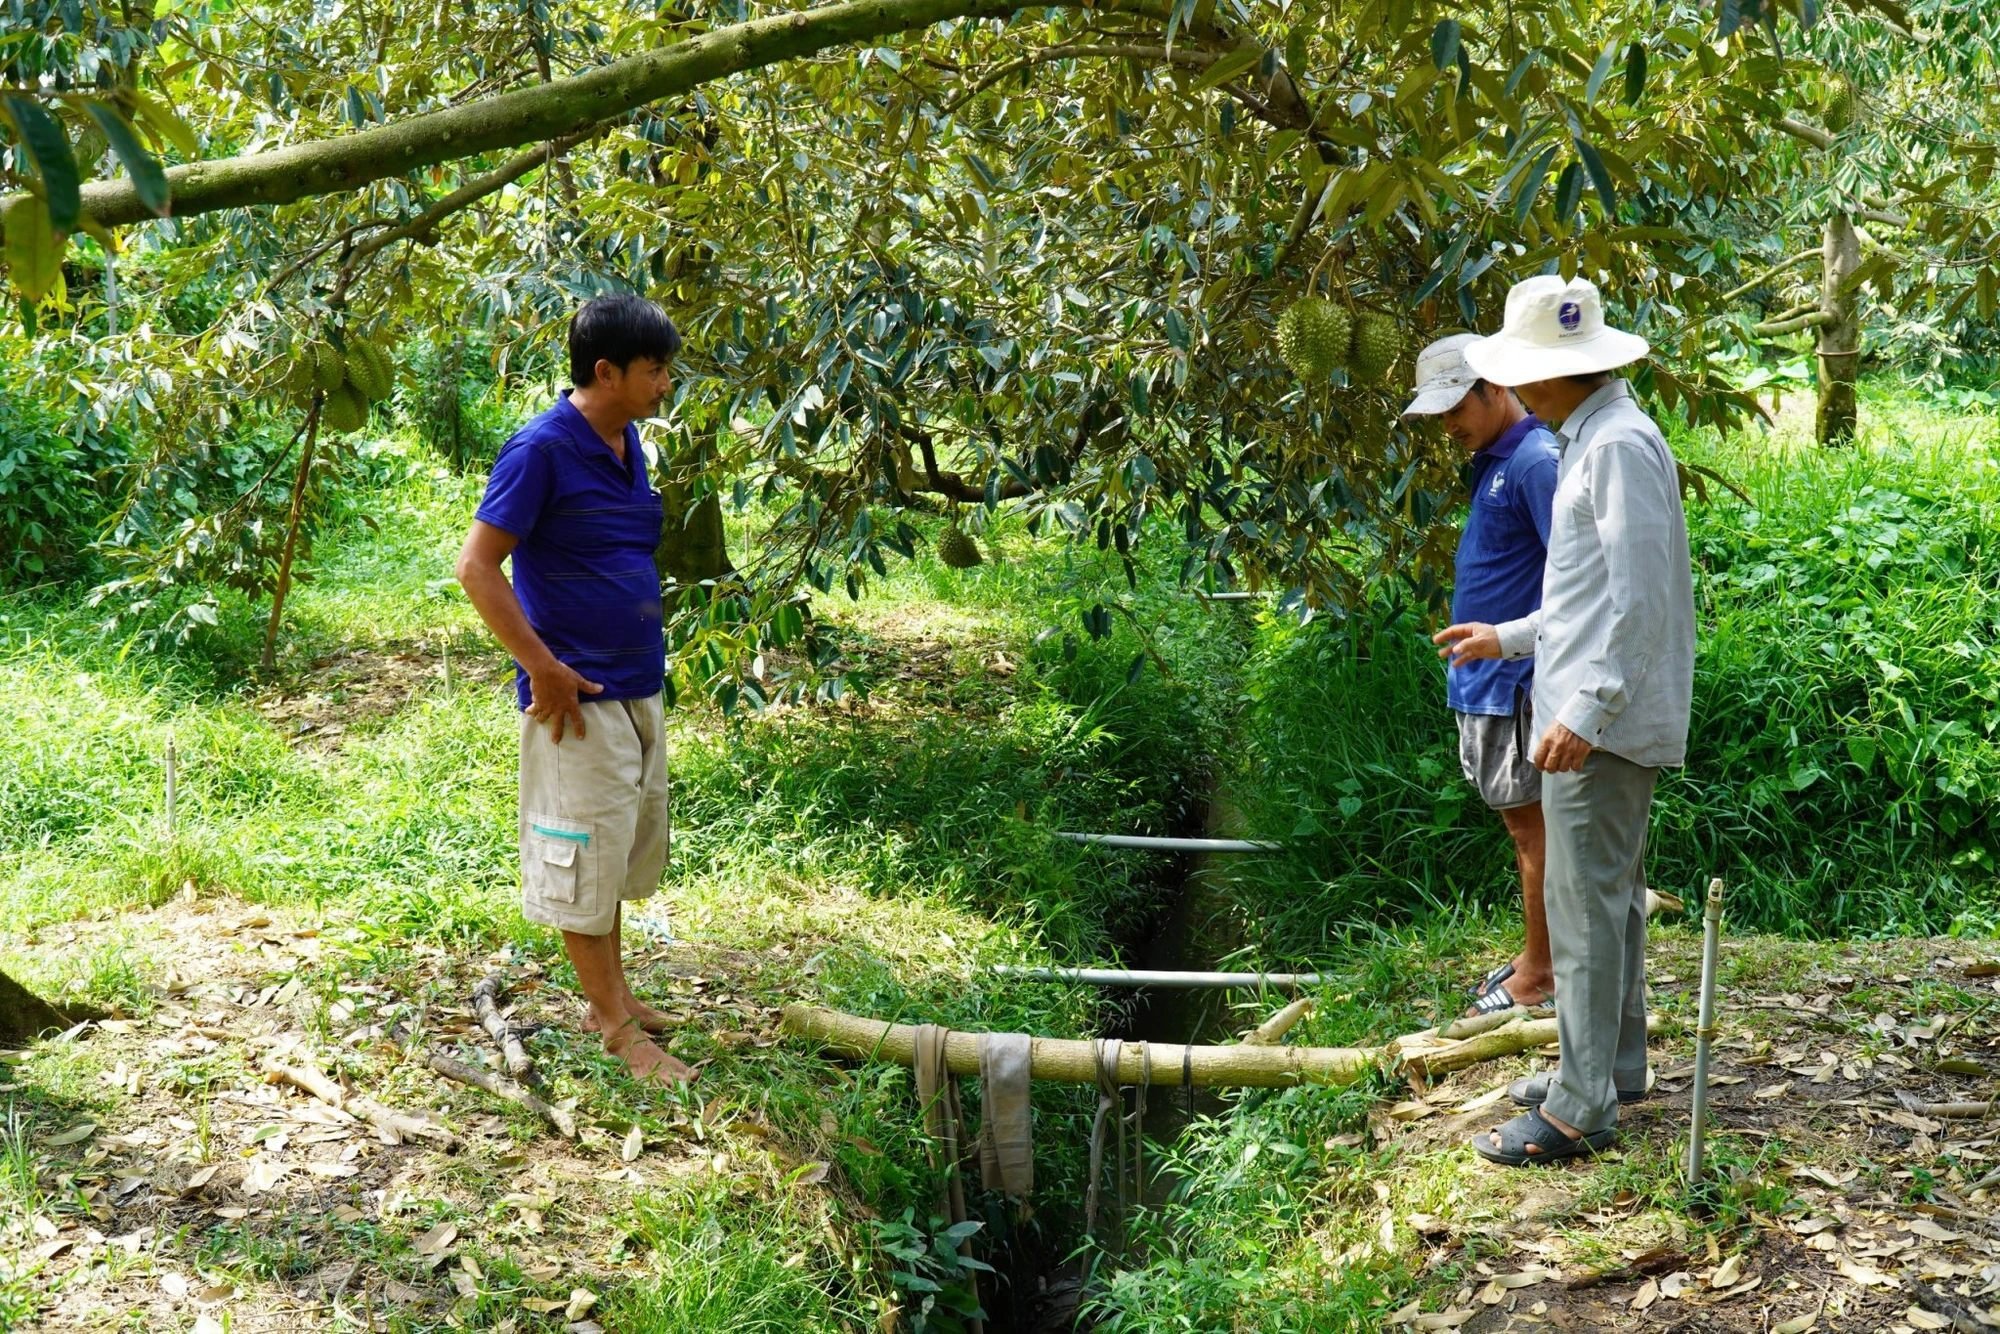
1553,328
1442,376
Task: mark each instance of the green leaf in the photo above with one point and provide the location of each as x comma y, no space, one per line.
1598,74
147,176
1531,184
34,256
1635,73
1599,177
1231,65
1445,40
166,124
46,143
1569,192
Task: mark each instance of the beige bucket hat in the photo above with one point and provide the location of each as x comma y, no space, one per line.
1552,328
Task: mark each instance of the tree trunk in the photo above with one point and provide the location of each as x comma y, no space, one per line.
553,110
24,1016
1840,336
693,543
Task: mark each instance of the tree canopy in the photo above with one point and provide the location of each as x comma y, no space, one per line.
931,253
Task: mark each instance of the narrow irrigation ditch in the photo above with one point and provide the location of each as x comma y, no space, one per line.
1041,1278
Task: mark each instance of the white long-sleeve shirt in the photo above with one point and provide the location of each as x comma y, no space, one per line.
1613,640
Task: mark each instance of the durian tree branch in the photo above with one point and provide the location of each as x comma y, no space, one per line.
1751,285
423,228
554,110
1810,320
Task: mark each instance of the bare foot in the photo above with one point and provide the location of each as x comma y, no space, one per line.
644,1057
636,1010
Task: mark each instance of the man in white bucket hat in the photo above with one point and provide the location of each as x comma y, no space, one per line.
1614,675
1498,577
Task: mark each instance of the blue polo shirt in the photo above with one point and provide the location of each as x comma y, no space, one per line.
588,524
1500,558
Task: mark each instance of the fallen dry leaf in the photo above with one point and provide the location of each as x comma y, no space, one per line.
580,1301
1866,1275
635,1144
435,1243
1726,1276
1451,1319
76,1134
1918,1318
1798,1324
1646,1295
1923,1227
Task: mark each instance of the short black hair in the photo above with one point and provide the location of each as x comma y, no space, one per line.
1590,381
618,329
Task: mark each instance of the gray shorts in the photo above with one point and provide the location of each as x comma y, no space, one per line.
594,814
1494,753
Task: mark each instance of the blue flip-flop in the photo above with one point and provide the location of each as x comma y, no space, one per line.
1532,1128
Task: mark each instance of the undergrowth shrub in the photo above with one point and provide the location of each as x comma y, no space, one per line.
1843,767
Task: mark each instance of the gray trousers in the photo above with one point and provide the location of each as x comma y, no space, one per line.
1595,891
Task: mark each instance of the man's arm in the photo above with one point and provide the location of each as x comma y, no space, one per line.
552,686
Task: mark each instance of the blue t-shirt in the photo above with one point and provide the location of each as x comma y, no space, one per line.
1500,559
588,525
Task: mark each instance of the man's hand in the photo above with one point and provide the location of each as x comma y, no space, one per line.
1467,643
552,696
1561,751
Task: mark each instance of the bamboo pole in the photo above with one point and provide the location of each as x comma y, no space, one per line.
1074,1061
1272,1030
1242,1065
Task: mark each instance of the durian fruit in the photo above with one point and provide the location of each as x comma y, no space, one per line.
957,549
1839,112
298,382
328,369
344,410
368,369
1377,343
1313,337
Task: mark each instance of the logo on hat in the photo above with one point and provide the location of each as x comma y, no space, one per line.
1570,316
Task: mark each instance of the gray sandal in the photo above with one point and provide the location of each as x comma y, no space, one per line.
1534,1090
1532,1128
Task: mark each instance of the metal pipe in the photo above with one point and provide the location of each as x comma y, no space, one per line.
1153,977
1172,844
1711,933
1232,596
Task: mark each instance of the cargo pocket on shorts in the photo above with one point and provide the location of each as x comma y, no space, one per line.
560,864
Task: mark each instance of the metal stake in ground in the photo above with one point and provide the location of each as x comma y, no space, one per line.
173,783
1711,932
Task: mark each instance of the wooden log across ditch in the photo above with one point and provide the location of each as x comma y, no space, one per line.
1241,1065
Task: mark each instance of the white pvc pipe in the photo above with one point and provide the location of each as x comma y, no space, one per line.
1151,977
1172,844
1711,930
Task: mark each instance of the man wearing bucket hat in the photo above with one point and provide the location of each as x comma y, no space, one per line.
1498,577
1614,653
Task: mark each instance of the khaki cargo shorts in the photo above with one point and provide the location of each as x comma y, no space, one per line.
594,814
1494,753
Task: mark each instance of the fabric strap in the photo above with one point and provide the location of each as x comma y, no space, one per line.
1006,1122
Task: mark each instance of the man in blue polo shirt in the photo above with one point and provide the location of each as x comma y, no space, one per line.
1499,578
569,501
